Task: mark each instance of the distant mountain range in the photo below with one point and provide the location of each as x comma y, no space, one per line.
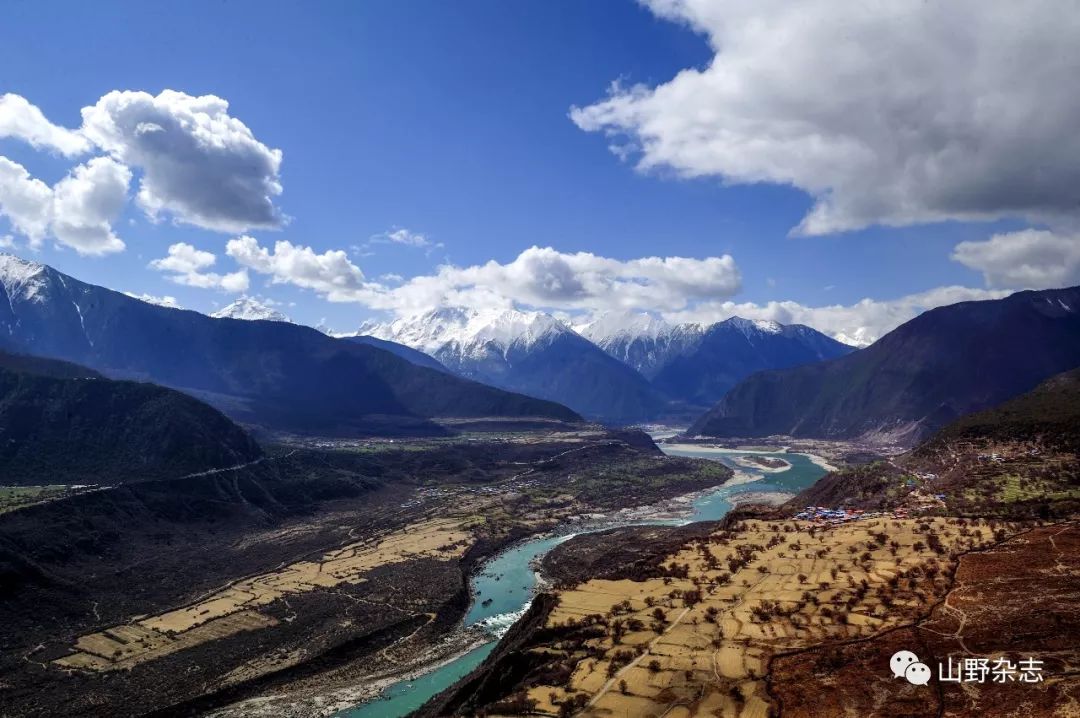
943,364
276,374
640,340
65,424
729,351
530,352
622,367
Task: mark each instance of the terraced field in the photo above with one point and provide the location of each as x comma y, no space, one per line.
235,608
697,640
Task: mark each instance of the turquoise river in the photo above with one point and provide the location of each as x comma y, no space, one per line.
506,583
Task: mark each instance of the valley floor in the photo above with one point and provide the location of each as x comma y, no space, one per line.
780,617
338,567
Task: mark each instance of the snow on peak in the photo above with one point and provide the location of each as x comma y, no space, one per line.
754,326
21,278
606,327
250,309
467,329
860,338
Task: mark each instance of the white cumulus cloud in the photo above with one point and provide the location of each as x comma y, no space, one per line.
87,202
187,265
77,212
330,273
24,121
199,164
538,277
885,113
26,201
1027,259
163,301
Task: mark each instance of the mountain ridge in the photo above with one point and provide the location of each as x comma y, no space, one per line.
61,423
945,363
530,352
283,376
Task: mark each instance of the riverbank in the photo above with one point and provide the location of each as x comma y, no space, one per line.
364,688
818,461
769,498
425,659
505,584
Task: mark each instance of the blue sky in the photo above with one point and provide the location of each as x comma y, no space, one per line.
451,121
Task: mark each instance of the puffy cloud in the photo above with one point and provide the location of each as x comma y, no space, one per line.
22,120
199,164
7,242
858,324
1028,259
546,278
85,204
165,301
890,113
78,212
331,274
187,265
538,277
25,201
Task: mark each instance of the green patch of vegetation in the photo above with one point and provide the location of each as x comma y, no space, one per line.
15,497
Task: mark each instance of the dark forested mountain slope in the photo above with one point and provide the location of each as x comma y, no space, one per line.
280,375
1048,415
1018,459
62,424
943,364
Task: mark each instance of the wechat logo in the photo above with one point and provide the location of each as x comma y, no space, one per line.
905,664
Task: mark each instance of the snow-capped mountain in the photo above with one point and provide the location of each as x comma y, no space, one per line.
466,335
656,362
860,338
527,351
275,374
729,351
639,339
23,279
251,309
697,363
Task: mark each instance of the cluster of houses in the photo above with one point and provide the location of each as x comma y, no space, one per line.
835,516
824,515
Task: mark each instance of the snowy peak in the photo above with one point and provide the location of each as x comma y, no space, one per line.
640,340
22,279
609,326
752,327
859,338
440,330
250,309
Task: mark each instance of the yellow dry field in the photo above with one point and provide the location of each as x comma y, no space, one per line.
797,588
233,608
